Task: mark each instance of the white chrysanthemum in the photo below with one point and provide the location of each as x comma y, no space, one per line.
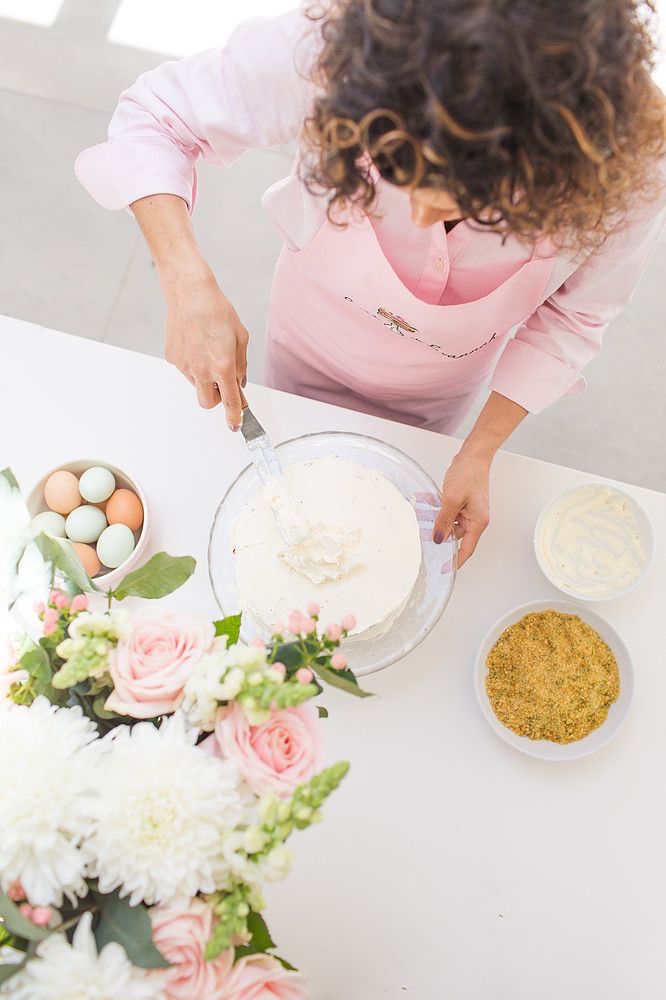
45,800
218,677
65,971
164,808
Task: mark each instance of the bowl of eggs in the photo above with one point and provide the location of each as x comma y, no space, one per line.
100,509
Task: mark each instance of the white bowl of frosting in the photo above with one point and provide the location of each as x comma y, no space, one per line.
594,542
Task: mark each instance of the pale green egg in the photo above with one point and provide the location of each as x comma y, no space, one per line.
50,522
97,484
85,524
115,545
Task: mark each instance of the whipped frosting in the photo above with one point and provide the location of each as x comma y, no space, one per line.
280,501
590,542
359,552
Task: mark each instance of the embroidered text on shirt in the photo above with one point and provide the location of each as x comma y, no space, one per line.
400,326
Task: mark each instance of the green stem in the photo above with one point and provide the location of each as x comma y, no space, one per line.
75,919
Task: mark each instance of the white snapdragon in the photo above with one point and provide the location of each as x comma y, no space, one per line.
114,625
219,677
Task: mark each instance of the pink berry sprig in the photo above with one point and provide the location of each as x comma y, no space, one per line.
313,650
305,628
57,616
40,916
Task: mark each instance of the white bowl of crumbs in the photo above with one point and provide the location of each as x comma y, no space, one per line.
594,542
554,680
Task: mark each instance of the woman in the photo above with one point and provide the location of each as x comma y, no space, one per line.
466,171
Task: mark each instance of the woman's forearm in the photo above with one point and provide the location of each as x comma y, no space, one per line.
494,425
465,494
205,338
165,222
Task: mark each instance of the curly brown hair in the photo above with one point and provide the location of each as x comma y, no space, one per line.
539,117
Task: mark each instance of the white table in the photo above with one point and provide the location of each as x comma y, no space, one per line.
449,866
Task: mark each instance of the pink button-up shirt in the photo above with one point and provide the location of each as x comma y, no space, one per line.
255,92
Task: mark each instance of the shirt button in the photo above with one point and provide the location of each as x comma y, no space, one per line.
439,264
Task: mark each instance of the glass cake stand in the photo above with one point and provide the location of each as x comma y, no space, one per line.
433,586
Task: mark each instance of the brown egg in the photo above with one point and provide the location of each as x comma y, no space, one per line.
88,557
101,505
62,492
124,507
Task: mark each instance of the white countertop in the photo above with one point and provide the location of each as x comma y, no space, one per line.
449,866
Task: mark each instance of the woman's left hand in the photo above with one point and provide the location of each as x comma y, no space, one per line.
465,500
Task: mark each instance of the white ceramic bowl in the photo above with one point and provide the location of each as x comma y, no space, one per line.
37,504
617,713
646,531
434,584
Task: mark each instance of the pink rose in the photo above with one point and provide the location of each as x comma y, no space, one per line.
277,756
181,935
259,977
149,669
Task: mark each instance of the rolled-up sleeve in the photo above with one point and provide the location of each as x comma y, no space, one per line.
251,93
545,358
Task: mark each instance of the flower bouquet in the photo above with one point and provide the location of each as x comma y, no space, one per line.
155,771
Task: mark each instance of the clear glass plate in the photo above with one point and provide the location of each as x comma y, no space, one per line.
433,586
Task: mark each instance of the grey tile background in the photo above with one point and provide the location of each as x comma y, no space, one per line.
68,264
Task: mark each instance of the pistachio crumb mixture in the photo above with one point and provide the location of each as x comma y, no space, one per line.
551,677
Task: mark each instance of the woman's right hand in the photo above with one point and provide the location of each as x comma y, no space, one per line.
206,340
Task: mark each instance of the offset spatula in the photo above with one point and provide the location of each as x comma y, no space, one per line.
268,467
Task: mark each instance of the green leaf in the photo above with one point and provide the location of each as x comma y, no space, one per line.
11,479
36,662
285,964
160,576
98,707
304,653
230,627
261,939
261,936
323,712
130,926
293,655
62,555
17,924
343,679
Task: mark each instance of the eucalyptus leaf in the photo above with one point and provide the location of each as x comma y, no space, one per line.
323,712
62,555
230,627
343,679
130,926
160,576
11,479
98,707
36,662
17,924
